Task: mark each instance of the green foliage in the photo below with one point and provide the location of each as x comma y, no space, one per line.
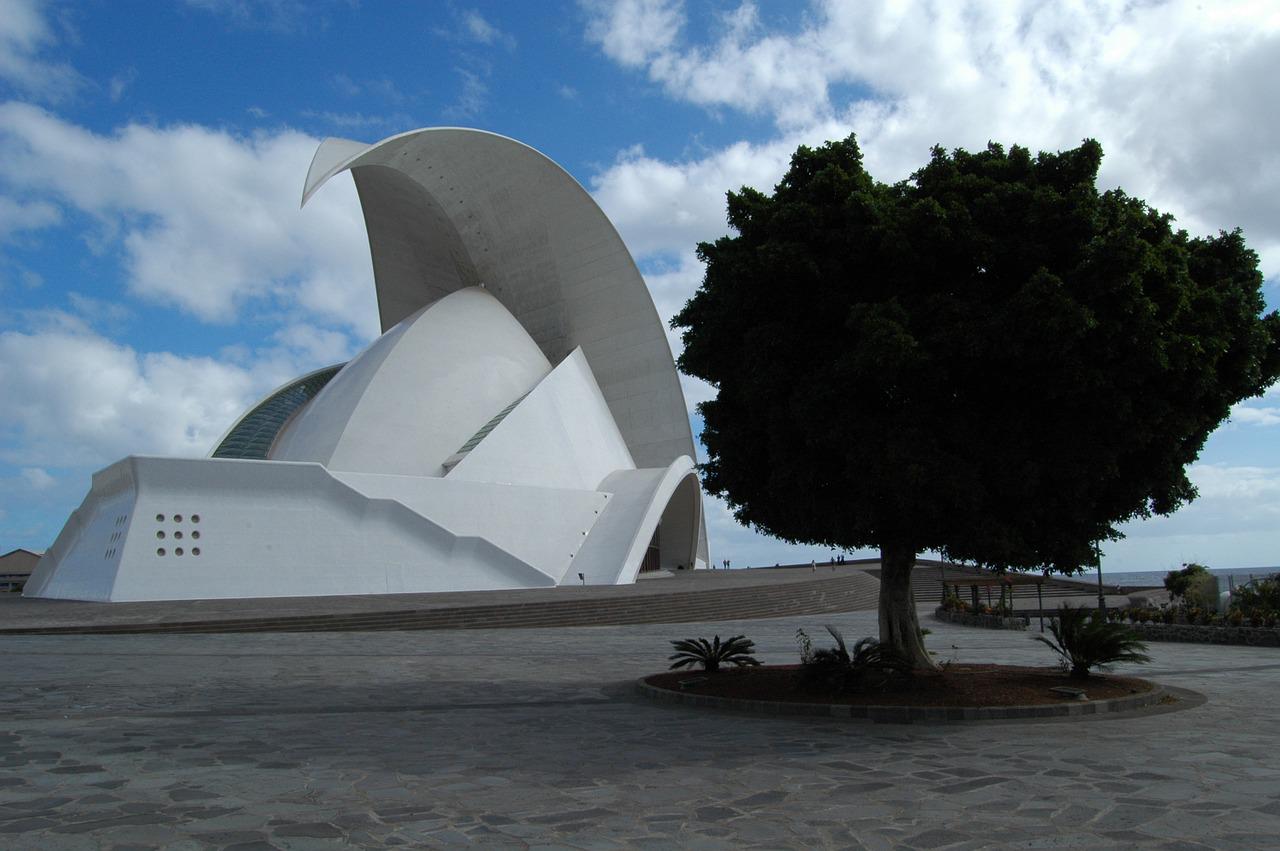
869,664
1261,594
806,646
1185,584
712,654
1006,362
1086,641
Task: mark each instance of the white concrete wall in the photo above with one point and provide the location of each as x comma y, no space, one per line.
561,435
85,557
542,526
419,392
267,529
637,499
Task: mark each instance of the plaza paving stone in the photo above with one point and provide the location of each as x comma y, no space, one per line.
535,739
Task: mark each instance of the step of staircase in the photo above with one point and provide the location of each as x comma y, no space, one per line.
847,592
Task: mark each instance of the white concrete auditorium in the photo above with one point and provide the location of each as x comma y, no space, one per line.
518,424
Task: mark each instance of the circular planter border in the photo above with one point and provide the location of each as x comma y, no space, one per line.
913,714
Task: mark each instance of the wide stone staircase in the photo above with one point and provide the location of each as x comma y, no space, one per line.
843,591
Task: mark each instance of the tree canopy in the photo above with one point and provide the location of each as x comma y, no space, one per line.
990,358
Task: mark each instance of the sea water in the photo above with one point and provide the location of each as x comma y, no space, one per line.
1148,578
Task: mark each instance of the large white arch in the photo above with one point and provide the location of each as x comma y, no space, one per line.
447,208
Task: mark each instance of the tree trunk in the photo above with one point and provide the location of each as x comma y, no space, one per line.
899,627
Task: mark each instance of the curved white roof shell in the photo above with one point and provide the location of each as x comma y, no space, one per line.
448,208
404,405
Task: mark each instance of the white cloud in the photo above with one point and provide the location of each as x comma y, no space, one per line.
17,216
205,220
284,16
25,34
76,398
1178,94
318,346
472,98
1233,523
634,32
344,85
120,83
667,207
1255,416
37,478
81,399
478,29
1250,484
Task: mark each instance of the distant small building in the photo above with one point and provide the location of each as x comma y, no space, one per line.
16,567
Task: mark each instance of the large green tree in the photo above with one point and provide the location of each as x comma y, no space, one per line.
990,357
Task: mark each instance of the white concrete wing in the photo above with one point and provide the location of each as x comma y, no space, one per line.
406,403
448,208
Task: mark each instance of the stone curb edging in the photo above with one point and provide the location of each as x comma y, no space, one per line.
909,714
1251,636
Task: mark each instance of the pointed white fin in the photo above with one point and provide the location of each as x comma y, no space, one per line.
331,157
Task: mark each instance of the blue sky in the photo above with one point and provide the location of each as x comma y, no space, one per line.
157,276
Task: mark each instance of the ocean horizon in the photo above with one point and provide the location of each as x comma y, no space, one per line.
1240,575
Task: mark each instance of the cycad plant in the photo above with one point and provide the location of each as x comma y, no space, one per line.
712,654
1086,641
868,665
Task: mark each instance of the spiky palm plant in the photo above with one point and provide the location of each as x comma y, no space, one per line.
712,654
1085,641
868,664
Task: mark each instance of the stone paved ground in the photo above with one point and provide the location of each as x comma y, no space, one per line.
506,739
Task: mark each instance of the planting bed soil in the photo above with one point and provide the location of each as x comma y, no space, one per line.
957,686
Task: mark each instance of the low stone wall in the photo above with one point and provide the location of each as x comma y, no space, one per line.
985,621
1203,634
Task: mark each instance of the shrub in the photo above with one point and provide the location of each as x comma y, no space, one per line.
1258,594
1085,641
870,664
1193,588
712,654
1185,584
806,646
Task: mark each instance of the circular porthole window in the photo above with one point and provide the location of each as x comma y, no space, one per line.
159,518
178,535
195,518
178,551
195,535
177,518
195,551
160,551
160,535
